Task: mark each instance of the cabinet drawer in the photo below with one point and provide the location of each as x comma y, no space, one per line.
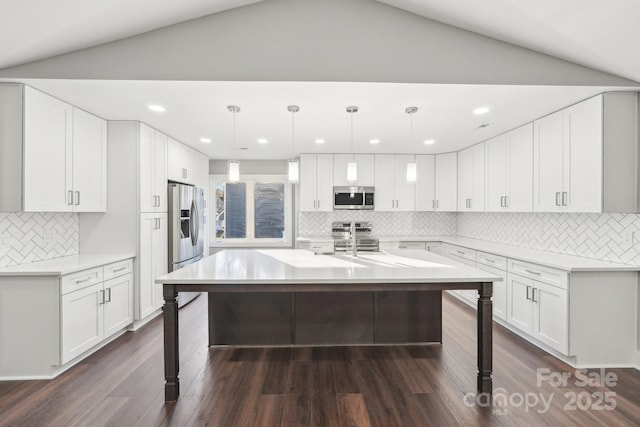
118,269
548,275
492,260
318,247
461,252
461,260
402,245
80,280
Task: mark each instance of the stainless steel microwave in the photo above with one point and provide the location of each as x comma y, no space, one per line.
356,198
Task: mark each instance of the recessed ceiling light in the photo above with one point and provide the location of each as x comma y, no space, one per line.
374,141
205,140
320,141
262,141
429,142
481,110
157,108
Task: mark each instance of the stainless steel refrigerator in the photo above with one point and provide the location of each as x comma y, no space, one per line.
186,230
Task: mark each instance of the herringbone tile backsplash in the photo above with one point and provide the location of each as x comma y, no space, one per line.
30,237
610,237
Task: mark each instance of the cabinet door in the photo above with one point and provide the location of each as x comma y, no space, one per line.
160,257
118,304
551,316
547,163
174,167
148,199
446,182
48,153
145,286
82,321
89,162
519,306
385,182
425,182
308,199
405,191
465,179
582,176
324,182
496,173
366,175
520,169
160,171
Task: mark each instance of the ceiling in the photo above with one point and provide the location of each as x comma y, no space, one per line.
199,109
581,31
37,29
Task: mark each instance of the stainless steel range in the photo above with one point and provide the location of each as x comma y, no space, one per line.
365,240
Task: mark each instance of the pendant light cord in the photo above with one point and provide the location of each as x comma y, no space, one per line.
353,154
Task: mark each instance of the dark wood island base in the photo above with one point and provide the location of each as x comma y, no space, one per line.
427,291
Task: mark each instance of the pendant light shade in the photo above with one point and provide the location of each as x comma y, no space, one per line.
293,173
352,171
412,167
352,166
412,172
293,170
233,166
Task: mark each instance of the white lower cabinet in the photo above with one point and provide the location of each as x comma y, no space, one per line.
152,262
464,256
91,313
497,265
539,309
82,321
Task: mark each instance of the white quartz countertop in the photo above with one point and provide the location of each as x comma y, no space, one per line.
297,266
564,262
63,265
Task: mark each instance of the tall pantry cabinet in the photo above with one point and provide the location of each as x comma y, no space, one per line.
137,218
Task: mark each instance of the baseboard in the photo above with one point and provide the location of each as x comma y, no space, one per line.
142,322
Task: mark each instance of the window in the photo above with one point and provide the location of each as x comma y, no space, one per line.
255,211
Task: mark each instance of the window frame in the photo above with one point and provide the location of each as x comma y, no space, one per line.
249,242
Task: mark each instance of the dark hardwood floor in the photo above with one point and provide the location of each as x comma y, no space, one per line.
431,385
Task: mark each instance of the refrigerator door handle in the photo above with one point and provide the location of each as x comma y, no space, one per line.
193,217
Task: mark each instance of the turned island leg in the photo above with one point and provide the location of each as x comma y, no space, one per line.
485,337
171,352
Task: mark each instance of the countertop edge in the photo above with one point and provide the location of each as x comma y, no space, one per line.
76,263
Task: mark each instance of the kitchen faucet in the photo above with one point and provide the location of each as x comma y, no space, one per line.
352,235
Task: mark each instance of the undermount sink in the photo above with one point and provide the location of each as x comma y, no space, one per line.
398,261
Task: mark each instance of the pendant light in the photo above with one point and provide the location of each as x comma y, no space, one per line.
412,167
352,166
294,164
233,166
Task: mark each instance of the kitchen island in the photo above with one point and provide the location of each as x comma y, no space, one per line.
299,271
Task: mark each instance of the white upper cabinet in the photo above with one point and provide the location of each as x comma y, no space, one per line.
366,169
393,192
471,179
54,156
446,182
316,182
425,182
182,162
509,171
48,153
585,156
89,162
153,170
